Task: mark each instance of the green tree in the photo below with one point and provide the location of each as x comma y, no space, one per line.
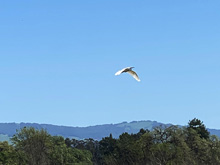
199,127
169,146
129,150
146,142
60,154
199,147
58,151
107,148
34,143
93,146
214,149
68,142
8,155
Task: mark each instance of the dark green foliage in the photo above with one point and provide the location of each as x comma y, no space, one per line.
9,156
199,127
164,145
39,148
61,154
34,143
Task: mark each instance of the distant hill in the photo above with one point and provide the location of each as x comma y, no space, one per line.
96,132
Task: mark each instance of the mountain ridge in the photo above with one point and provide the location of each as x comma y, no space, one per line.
96,132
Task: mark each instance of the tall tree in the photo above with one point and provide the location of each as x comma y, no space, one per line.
34,143
199,127
107,147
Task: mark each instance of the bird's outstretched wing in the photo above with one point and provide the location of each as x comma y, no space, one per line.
120,71
134,74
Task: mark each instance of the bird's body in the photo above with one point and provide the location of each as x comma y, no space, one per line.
130,71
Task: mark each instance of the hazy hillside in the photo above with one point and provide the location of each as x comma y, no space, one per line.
95,132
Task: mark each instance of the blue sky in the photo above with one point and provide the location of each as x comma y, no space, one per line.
58,60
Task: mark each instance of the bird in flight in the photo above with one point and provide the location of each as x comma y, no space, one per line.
130,71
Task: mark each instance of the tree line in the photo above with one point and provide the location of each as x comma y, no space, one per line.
163,146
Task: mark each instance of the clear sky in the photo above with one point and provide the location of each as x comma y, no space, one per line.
58,60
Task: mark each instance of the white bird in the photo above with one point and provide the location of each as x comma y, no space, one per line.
130,71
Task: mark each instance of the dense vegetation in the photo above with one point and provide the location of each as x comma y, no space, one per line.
163,146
